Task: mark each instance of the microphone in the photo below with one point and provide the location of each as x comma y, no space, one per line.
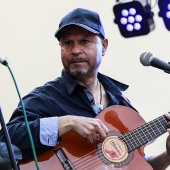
3,60
148,59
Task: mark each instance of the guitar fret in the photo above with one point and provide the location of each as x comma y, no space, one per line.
132,143
145,133
127,140
139,136
135,138
151,129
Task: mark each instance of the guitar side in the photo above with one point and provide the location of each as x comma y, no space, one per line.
83,155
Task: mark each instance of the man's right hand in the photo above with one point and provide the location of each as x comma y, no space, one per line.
91,129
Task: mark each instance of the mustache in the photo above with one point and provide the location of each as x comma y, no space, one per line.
78,59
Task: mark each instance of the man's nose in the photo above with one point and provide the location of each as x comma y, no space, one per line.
76,48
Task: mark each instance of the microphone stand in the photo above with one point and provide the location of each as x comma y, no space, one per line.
8,142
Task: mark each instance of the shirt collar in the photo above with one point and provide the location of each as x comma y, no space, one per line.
112,85
69,81
107,82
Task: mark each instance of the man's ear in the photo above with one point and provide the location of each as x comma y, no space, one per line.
104,48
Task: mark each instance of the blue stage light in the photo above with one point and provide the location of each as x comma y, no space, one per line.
133,18
164,6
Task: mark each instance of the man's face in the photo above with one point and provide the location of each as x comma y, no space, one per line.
81,51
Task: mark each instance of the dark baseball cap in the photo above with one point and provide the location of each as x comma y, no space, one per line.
84,18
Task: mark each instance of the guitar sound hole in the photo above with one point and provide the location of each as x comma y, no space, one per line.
113,151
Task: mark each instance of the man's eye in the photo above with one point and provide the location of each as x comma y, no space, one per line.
85,41
67,42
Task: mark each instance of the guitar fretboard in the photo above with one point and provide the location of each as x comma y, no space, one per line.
145,133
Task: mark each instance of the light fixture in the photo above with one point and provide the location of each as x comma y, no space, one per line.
164,6
134,18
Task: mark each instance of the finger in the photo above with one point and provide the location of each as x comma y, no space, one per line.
102,130
168,130
106,130
92,137
96,137
101,134
88,137
167,115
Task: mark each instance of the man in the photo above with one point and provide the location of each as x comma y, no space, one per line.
70,102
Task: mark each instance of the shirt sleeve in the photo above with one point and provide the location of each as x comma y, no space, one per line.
49,131
4,151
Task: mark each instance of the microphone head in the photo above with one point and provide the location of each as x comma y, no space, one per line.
146,58
3,60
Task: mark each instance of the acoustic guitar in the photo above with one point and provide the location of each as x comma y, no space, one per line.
123,148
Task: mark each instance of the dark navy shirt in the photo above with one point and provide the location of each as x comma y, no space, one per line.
62,96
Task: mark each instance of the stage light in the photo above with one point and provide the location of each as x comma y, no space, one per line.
164,6
134,18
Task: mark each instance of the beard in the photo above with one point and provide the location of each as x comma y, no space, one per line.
77,69
78,72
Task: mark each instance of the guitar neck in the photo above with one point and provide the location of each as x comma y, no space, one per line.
145,133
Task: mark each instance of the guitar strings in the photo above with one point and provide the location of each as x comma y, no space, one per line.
85,160
92,156
90,166
89,162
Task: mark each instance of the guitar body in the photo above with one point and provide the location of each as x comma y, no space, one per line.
111,154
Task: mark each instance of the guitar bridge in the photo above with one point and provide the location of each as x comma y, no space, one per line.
67,165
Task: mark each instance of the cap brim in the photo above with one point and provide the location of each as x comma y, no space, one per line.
58,32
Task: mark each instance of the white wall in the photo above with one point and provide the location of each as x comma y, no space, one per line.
27,38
